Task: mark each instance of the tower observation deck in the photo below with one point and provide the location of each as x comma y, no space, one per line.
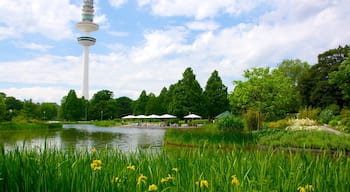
87,26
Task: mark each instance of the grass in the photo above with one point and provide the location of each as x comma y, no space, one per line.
306,139
210,136
172,170
28,125
207,135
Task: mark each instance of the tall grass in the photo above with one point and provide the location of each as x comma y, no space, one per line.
171,170
208,134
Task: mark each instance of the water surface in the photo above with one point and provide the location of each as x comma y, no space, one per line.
84,136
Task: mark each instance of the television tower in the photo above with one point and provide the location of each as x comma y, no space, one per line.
86,26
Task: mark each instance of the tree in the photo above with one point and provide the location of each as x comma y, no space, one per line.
216,95
294,69
123,106
13,107
2,108
186,96
153,106
102,105
30,110
163,101
48,111
269,93
314,87
140,104
72,107
341,78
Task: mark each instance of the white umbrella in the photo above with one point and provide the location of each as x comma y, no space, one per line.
129,117
141,117
192,116
153,116
167,116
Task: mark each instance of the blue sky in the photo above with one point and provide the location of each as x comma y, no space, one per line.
147,44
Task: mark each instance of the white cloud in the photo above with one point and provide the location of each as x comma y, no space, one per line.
50,18
300,29
118,33
37,94
46,69
200,9
34,46
117,3
202,25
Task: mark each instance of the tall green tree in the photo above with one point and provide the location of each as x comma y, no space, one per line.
30,110
13,107
216,95
140,104
294,69
102,106
269,93
123,106
187,96
341,78
2,108
314,87
153,105
72,107
163,101
49,111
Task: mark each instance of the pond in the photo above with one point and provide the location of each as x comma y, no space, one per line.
84,136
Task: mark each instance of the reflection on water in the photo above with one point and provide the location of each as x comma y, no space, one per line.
85,136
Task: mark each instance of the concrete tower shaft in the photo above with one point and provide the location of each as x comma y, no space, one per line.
87,26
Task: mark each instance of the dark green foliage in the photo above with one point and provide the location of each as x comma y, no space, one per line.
163,101
309,112
102,106
294,69
72,107
341,78
230,123
216,95
123,106
326,116
152,105
2,108
315,88
48,111
30,110
270,93
186,96
140,104
254,119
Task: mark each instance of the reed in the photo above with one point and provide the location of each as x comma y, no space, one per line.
199,169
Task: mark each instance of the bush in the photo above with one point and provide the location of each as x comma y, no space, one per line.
230,123
309,113
254,119
326,116
283,123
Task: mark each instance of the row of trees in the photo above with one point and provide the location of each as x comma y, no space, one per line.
275,93
179,99
294,85
10,108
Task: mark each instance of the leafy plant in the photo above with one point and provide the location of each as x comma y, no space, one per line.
254,119
309,113
230,123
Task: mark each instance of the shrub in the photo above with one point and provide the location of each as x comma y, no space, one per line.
230,123
254,119
283,123
326,116
309,113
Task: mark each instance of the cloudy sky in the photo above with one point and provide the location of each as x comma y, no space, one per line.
148,44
